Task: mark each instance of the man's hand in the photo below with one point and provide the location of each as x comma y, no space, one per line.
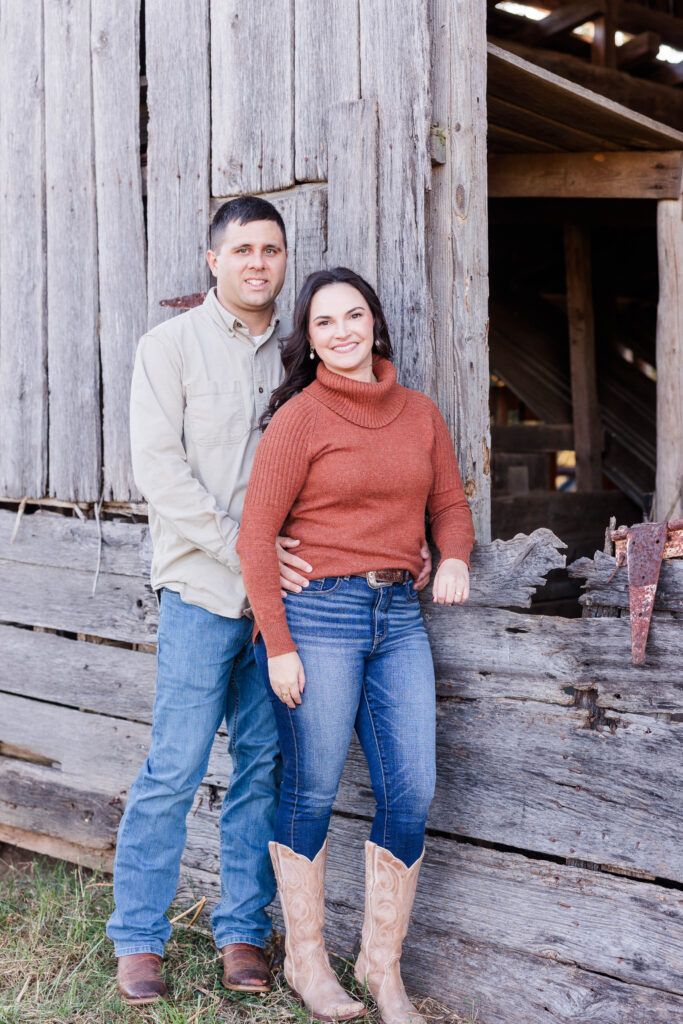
290,579
452,582
287,678
426,570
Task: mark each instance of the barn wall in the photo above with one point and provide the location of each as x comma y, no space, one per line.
553,878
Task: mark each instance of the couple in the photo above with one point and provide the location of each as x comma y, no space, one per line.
344,471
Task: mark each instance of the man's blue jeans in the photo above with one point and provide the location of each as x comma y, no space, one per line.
206,673
368,666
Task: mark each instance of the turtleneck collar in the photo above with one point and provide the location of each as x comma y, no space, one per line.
366,404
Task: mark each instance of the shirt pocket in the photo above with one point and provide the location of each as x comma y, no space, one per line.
215,413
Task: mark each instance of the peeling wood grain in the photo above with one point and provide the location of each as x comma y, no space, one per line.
327,72
252,96
23,294
177,151
605,587
120,227
72,279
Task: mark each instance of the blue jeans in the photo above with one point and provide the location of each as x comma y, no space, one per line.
368,667
206,673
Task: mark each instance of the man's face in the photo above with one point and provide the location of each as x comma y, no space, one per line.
249,265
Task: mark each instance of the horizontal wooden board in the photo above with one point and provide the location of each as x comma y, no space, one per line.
47,538
542,437
122,608
604,586
585,175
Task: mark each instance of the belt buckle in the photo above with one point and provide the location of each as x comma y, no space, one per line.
373,582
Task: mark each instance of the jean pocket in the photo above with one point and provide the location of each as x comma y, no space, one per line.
326,585
411,591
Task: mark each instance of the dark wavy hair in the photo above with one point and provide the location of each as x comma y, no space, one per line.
300,369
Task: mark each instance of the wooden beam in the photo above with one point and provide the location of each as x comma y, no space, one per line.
457,246
567,86
634,175
642,49
633,17
542,437
604,48
669,481
587,429
566,18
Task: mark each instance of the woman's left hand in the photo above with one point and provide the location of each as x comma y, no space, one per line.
452,582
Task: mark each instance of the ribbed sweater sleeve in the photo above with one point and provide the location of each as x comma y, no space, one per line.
278,474
449,513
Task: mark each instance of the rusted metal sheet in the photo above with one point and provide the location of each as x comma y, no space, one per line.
642,548
184,301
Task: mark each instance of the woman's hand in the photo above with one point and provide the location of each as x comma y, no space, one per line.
287,678
452,582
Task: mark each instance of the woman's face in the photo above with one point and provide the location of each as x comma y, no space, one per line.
340,329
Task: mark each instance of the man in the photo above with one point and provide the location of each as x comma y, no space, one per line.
200,384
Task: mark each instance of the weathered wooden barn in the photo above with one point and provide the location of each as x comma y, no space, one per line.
553,881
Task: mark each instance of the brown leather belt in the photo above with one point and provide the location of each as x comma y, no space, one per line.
377,578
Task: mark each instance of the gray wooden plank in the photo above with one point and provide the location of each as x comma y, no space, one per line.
72,280
37,742
120,226
457,372
23,323
177,151
122,608
48,538
353,180
401,87
326,72
311,233
604,586
252,101
669,489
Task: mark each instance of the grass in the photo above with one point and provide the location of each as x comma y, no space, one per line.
57,965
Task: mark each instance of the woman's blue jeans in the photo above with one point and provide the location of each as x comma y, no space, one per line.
368,667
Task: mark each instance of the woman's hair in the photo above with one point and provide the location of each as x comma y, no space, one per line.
295,348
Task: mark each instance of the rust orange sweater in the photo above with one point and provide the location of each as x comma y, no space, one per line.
348,468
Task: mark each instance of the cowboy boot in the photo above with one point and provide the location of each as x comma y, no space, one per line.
389,894
301,884
139,978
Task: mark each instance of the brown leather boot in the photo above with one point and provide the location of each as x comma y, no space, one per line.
301,884
389,894
139,978
245,968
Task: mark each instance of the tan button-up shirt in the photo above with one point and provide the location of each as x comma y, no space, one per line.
199,386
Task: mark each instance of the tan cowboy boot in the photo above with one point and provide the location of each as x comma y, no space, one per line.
389,894
301,884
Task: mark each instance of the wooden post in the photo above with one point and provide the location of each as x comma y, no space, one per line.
604,48
587,429
457,250
669,480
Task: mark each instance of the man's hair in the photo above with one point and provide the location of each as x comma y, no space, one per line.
243,210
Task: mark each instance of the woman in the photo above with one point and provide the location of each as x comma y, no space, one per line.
349,462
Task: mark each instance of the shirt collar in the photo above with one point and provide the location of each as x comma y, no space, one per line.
233,323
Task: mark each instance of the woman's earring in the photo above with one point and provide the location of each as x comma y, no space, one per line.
311,354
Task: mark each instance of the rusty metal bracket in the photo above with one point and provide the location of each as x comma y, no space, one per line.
184,301
642,548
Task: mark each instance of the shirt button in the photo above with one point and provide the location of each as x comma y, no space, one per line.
260,391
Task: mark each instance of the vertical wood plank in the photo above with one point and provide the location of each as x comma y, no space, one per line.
73,349
327,71
177,38
23,324
252,101
669,481
311,233
352,188
458,357
581,323
394,62
120,226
